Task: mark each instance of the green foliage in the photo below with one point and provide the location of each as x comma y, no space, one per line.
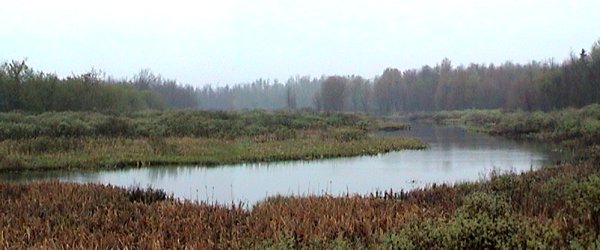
147,196
45,144
396,241
387,90
533,86
59,140
568,124
212,124
480,203
21,88
333,93
446,116
284,133
119,152
484,221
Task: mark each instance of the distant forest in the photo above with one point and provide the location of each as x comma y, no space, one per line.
534,86
21,88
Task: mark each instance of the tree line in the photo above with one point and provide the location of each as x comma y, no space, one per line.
543,85
22,88
533,86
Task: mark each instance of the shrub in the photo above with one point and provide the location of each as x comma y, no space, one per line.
147,196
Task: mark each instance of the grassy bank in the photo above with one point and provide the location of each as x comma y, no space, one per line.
52,141
193,123
553,207
43,154
575,129
568,124
550,208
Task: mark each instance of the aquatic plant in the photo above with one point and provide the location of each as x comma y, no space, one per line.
555,207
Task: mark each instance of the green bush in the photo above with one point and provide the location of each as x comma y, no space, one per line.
147,196
395,241
484,221
480,203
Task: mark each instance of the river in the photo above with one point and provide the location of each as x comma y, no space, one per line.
453,155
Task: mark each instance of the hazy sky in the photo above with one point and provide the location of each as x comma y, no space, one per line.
231,41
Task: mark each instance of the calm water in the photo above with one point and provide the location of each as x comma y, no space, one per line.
454,155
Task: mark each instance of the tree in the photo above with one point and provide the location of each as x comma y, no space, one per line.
359,93
16,73
291,97
145,79
332,93
443,88
387,89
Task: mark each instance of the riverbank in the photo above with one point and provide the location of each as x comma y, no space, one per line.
553,207
573,129
550,208
53,141
110,153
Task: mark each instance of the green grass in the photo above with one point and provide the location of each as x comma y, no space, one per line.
45,153
573,129
87,140
210,124
553,207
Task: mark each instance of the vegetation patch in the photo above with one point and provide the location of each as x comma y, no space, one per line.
574,129
390,126
93,140
122,152
555,207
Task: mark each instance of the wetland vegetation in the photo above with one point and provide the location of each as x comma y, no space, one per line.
575,129
68,140
554,207
90,121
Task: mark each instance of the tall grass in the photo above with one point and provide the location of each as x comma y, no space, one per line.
581,124
66,140
211,124
555,207
47,153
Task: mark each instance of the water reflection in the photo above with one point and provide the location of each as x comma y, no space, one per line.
453,155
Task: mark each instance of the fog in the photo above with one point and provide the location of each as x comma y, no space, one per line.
228,42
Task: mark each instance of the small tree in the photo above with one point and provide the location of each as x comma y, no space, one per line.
333,92
359,93
291,97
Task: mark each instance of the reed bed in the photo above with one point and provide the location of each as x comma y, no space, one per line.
577,130
551,208
88,140
570,124
46,153
175,123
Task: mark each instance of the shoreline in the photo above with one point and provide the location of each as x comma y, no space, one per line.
121,153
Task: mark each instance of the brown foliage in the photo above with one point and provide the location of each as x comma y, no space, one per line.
57,215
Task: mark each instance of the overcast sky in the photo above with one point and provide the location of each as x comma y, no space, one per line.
232,41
